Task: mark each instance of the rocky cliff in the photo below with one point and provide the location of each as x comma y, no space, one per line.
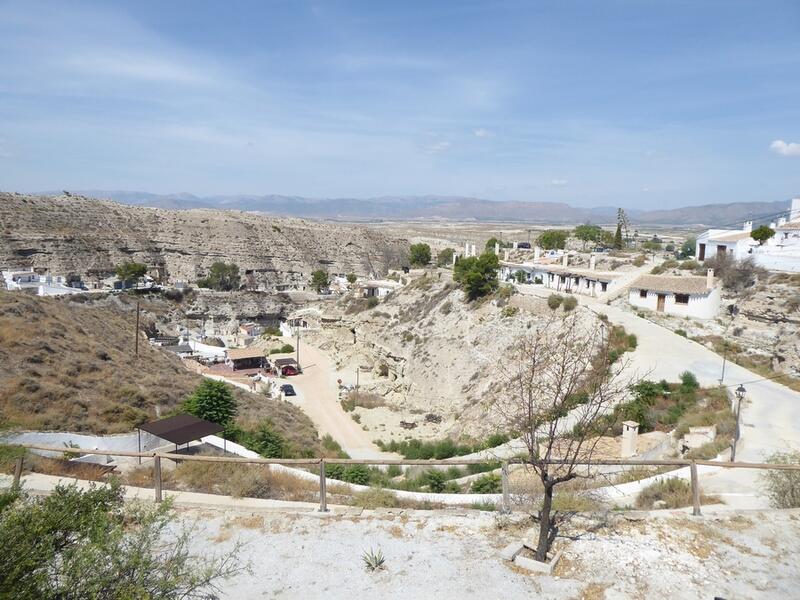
68,234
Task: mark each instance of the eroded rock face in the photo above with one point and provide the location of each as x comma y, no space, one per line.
71,234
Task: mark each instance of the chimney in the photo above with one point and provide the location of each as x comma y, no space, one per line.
592,262
505,253
537,253
781,221
466,250
630,435
515,245
474,251
748,226
454,259
497,248
710,279
794,211
565,259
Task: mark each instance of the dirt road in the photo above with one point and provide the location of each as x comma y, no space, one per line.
319,399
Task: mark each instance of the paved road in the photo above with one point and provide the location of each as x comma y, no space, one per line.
319,399
770,418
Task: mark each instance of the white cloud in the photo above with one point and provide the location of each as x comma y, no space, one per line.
125,65
559,182
785,148
437,147
483,133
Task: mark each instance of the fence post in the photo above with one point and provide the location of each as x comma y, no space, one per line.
504,481
18,471
157,476
323,494
695,490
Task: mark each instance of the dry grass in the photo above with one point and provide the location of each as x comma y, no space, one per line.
67,364
65,468
677,493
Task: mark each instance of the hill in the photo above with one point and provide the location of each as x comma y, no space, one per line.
75,234
449,207
68,364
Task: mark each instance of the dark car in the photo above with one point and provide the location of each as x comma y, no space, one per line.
526,245
288,390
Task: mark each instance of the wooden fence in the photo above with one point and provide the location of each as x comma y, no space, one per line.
322,462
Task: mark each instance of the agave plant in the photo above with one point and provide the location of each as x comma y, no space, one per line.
373,560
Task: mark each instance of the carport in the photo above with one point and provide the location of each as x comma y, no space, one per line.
180,429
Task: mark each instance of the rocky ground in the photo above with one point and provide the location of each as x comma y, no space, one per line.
71,234
452,555
425,351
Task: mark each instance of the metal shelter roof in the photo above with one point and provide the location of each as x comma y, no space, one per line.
181,429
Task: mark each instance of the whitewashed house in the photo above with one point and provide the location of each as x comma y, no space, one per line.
561,277
780,253
378,288
690,296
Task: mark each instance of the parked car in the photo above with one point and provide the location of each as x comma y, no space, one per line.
526,245
289,370
288,390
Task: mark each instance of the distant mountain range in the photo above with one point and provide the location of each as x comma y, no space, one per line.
448,208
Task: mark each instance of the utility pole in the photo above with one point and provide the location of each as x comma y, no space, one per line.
136,331
297,348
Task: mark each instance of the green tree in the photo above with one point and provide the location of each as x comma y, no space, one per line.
130,271
90,544
419,254
618,237
319,280
351,278
492,241
445,257
653,245
762,234
687,248
213,401
435,480
477,276
553,239
268,442
588,233
222,277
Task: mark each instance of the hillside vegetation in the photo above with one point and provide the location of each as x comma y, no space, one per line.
69,365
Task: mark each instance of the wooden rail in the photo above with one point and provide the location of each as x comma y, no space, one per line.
322,462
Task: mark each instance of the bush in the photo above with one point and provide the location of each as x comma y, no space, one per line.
374,498
372,302
689,382
89,544
490,483
675,492
477,276
267,442
221,277
689,265
213,401
681,332
445,257
435,480
570,302
554,301
783,487
419,255
639,260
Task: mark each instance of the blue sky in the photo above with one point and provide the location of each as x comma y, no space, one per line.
646,104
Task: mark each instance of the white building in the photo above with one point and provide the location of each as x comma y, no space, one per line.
43,285
691,296
780,253
378,288
561,277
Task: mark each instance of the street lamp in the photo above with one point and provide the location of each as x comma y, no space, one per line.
740,393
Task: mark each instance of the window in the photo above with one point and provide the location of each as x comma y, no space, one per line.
642,293
681,298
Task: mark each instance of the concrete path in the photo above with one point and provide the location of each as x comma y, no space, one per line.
319,399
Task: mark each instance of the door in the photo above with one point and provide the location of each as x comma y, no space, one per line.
721,250
661,299
702,254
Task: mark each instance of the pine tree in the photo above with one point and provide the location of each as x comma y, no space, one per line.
618,237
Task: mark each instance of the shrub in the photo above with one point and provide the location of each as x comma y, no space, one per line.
554,301
689,265
130,271
639,260
783,487
419,255
266,441
373,560
435,480
374,498
509,311
675,492
487,484
221,277
477,276
351,278
688,381
681,332
445,257
570,302
213,401
372,302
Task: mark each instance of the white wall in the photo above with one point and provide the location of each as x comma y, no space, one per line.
704,306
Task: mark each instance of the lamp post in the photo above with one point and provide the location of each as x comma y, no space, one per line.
740,393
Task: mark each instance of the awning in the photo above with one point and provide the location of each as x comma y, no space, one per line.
181,429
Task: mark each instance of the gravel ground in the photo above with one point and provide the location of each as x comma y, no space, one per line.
443,556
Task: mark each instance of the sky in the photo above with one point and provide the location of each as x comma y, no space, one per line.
615,103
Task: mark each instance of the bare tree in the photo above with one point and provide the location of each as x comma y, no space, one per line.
562,386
